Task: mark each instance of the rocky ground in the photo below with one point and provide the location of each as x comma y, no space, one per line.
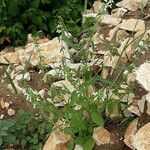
130,20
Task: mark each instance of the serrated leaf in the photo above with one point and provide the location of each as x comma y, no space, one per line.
10,139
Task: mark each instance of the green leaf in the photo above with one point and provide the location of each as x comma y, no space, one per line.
11,139
69,41
88,144
1,141
97,117
112,105
71,145
3,133
5,124
53,26
74,97
2,28
35,3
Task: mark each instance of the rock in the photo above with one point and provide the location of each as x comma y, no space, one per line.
78,147
112,33
126,48
63,99
118,12
121,34
141,35
143,75
148,108
132,5
130,131
30,38
72,52
108,60
27,76
57,141
20,77
148,97
109,19
16,71
65,84
111,61
134,108
98,6
56,73
11,112
89,15
123,86
101,136
42,93
2,103
105,73
133,25
97,38
13,58
1,116
6,104
141,104
48,53
137,106
131,78
76,66
100,52
141,140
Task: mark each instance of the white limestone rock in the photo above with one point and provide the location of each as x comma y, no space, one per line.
78,147
97,38
112,33
132,5
141,35
101,136
98,6
11,112
141,140
130,131
118,12
121,34
133,25
57,141
110,20
143,75
12,57
126,48
48,50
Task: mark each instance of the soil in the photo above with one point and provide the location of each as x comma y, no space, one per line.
116,138
16,101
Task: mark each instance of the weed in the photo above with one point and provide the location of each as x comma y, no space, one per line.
31,130
6,133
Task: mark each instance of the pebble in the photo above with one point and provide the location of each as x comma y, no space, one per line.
11,112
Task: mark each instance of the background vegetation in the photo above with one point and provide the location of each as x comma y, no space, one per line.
20,17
